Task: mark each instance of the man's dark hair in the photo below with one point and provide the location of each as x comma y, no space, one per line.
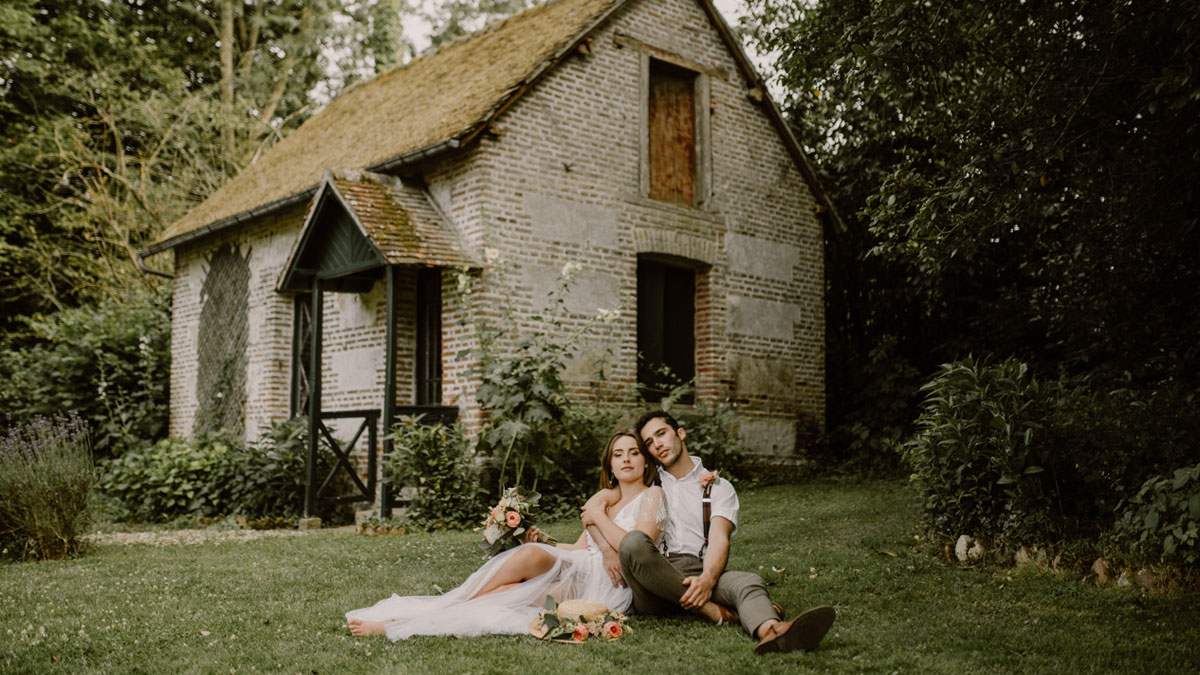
655,414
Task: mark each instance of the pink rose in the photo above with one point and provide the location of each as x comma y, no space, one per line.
707,477
512,519
581,632
613,630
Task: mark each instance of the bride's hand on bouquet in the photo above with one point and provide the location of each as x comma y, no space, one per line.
534,536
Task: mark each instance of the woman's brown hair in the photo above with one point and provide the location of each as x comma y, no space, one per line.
607,479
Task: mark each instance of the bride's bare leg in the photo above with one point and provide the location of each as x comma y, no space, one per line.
360,628
525,564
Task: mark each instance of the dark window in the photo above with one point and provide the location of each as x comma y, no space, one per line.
301,352
666,327
672,132
429,337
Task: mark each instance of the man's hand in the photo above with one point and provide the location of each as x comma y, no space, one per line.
699,591
612,565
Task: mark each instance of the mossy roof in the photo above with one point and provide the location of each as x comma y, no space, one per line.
438,100
442,96
396,217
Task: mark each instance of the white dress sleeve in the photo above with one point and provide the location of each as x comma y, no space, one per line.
652,513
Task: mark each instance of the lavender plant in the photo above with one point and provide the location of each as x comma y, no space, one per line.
46,472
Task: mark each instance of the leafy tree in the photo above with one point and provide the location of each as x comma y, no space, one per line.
121,115
108,363
454,18
1022,179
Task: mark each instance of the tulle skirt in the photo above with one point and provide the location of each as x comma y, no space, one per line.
575,574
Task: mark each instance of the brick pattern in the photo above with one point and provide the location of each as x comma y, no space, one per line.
572,143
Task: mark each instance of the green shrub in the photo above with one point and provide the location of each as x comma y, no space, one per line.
1110,438
109,363
1001,455
173,477
216,474
270,474
538,439
46,475
435,460
976,457
1163,519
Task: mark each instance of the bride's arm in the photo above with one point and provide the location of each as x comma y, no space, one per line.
536,536
649,519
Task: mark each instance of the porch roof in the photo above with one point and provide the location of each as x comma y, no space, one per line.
377,220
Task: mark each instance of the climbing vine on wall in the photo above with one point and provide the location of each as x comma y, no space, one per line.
223,335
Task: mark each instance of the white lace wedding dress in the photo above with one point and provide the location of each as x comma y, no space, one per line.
576,574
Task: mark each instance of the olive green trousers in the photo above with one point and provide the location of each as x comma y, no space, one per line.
657,583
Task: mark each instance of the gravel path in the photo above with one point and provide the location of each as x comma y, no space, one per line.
188,537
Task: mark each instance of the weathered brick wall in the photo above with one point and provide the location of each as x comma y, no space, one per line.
353,360
269,352
562,182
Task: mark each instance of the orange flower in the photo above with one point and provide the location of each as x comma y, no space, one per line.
581,632
512,519
613,630
707,477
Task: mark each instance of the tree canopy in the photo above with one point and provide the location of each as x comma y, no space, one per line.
1020,179
119,115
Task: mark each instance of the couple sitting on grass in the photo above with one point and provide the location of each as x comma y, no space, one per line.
619,559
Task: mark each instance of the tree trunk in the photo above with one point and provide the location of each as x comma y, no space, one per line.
226,52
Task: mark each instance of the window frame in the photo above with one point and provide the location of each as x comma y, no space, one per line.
702,180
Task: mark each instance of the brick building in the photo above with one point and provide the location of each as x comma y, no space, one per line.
632,137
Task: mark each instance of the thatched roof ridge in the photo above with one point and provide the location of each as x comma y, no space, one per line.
437,99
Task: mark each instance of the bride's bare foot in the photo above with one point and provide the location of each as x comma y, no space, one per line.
360,628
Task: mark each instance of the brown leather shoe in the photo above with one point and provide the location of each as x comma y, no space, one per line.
802,633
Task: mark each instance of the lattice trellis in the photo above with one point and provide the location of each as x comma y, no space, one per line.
223,335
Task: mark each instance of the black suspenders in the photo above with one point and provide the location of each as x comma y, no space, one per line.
706,502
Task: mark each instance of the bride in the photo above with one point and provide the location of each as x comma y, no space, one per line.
509,591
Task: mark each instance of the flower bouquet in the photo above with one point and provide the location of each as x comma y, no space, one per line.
507,522
574,621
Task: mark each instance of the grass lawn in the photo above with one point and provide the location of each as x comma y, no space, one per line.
276,604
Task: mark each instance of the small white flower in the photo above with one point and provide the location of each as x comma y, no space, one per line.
608,316
491,255
569,269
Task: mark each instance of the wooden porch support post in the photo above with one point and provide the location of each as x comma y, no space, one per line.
389,388
314,403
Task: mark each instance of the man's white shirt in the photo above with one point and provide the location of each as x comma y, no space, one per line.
685,527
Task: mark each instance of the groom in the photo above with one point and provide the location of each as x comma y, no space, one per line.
696,544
